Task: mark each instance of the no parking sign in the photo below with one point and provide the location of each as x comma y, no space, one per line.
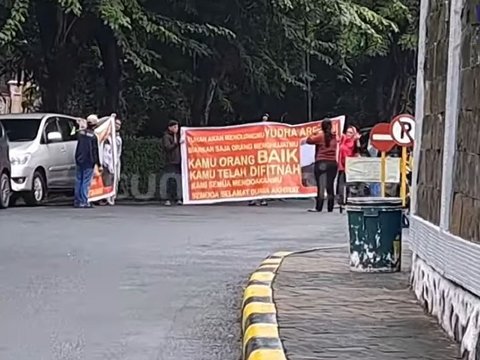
402,130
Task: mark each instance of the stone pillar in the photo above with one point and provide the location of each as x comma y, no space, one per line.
420,101
451,111
16,96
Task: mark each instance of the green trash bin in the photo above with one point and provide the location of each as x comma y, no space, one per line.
375,229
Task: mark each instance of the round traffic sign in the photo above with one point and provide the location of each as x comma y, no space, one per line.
402,129
380,137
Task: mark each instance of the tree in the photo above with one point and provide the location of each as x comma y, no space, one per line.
384,85
117,30
213,61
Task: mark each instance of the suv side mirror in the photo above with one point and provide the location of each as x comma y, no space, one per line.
54,136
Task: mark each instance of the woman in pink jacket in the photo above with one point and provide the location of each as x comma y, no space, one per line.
348,147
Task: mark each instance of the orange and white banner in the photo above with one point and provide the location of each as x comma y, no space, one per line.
247,162
103,184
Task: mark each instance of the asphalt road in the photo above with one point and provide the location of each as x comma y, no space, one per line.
137,282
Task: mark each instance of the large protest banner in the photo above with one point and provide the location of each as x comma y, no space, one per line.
248,162
103,184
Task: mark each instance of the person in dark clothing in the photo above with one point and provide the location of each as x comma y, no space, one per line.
263,202
173,170
86,158
326,165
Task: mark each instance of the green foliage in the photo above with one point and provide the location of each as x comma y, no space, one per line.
218,61
143,160
71,6
142,156
14,23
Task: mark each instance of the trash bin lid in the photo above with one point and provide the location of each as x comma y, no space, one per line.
375,201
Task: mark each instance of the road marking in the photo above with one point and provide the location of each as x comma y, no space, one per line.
262,276
271,262
257,308
261,340
257,290
263,354
260,330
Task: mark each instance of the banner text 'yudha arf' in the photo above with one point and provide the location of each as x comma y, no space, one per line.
247,162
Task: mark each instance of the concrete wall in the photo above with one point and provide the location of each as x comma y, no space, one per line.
446,187
429,186
465,218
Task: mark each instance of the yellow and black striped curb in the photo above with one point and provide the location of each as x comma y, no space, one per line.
261,339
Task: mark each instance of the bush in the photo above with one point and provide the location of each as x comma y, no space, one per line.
143,161
142,156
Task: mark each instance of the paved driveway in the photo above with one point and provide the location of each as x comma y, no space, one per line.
137,282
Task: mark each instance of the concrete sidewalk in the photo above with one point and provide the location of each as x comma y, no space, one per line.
326,312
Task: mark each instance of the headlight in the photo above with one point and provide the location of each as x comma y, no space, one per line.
19,159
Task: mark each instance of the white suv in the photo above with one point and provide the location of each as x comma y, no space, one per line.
42,154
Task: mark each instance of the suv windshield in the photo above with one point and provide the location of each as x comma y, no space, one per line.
21,129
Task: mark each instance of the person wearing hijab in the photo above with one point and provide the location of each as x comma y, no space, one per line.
349,145
326,165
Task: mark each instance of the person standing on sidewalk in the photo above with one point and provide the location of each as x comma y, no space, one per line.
171,144
349,145
326,166
263,202
86,158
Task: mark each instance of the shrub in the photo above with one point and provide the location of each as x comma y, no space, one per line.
143,160
142,156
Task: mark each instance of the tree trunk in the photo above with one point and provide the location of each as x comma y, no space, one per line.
45,13
197,103
60,64
401,88
212,86
111,67
381,69
210,75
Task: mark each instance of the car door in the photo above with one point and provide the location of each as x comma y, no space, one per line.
4,156
54,156
69,130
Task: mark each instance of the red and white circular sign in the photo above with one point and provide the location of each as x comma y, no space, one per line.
380,137
402,130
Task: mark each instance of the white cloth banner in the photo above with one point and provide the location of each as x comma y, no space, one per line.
367,169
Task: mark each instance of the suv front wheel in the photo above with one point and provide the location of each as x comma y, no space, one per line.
5,190
38,194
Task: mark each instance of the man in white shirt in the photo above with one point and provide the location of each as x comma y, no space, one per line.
118,165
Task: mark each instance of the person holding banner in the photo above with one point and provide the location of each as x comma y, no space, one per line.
171,144
326,166
86,158
349,145
118,163
263,202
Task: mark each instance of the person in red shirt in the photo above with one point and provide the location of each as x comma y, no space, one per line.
349,144
325,142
